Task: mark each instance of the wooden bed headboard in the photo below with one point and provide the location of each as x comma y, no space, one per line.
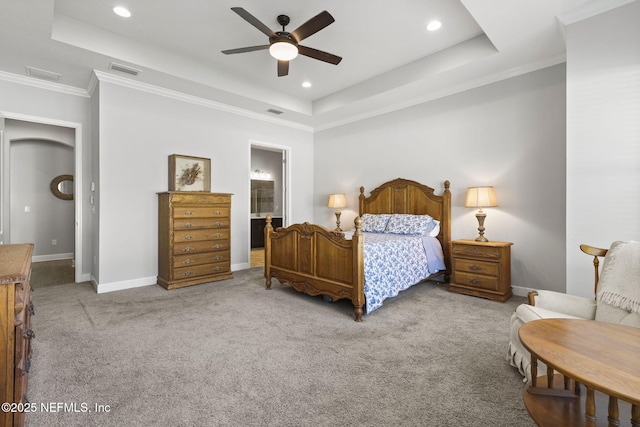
410,197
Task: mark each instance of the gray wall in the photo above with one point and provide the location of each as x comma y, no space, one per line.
603,137
138,131
510,134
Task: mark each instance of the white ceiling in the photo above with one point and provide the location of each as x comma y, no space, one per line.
389,60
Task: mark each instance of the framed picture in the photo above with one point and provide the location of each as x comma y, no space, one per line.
188,173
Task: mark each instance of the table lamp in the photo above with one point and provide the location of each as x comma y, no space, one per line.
337,201
480,197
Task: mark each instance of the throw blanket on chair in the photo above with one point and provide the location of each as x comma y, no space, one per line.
619,284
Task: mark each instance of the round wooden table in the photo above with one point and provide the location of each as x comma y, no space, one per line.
603,358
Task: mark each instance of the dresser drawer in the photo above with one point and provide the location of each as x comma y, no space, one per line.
195,223
200,199
201,212
203,246
476,267
181,236
200,258
201,270
477,281
485,252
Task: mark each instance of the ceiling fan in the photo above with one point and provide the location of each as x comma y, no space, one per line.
284,45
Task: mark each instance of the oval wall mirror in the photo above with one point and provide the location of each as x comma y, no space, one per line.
62,187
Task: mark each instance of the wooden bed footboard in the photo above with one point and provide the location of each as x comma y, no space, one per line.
317,261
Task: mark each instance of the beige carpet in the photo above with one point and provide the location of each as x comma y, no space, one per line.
234,354
52,273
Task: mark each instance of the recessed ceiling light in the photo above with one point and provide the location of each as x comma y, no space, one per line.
306,84
434,25
122,11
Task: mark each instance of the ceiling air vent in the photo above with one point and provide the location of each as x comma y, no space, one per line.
43,74
274,111
124,69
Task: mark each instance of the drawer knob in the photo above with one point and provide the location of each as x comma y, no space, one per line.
217,213
188,237
474,268
188,261
187,273
217,224
474,281
217,258
188,249
32,310
217,246
29,334
188,213
188,225
217,235
218,269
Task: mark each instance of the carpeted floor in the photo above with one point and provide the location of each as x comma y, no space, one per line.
234,354
52,273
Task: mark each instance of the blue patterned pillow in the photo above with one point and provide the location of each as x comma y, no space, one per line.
374,223
423,225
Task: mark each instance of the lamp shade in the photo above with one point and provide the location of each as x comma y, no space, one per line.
480,197
337,201
283,51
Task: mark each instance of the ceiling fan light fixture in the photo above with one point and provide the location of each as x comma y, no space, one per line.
283,51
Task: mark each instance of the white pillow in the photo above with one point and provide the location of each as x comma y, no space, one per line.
422,225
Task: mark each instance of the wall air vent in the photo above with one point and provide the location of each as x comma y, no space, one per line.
43,74
274,111
124,69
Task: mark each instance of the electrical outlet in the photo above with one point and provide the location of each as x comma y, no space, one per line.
54,242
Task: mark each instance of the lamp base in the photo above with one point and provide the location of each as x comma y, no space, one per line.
481,216
338,213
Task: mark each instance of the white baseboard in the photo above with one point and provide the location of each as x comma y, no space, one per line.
52,257
521,291
125,284
242,266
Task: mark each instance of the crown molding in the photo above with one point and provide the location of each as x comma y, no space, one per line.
591,9
179,96
42,84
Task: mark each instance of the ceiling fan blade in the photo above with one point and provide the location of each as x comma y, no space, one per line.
283,68
253,21
312,26
319,54
245,49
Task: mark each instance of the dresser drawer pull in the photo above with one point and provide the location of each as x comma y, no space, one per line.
32,310
29,334
188,237
217,246
188,225
474,281
188,213
217,258
218,235
188,249
188,261
217,212
217,224
218,268
187,273
474,268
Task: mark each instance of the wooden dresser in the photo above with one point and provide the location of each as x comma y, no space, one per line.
481,269
16,334
194,238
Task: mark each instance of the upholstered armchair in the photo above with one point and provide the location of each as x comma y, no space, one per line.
617,300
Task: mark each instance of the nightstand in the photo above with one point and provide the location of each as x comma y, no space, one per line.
481,269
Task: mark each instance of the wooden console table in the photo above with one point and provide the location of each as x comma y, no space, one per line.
603,358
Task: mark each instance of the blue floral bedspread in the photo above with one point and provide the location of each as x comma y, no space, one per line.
393,263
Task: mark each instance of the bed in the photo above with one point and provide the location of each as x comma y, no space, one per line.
317,261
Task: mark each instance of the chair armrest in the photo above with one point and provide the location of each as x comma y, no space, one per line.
564,303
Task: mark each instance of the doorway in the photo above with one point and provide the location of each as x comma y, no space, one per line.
33,152
268,189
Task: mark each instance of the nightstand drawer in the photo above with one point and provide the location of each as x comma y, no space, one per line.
476,267
485,252
477,281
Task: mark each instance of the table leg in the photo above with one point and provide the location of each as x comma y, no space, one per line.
613,417
590,413
534,370
635,415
